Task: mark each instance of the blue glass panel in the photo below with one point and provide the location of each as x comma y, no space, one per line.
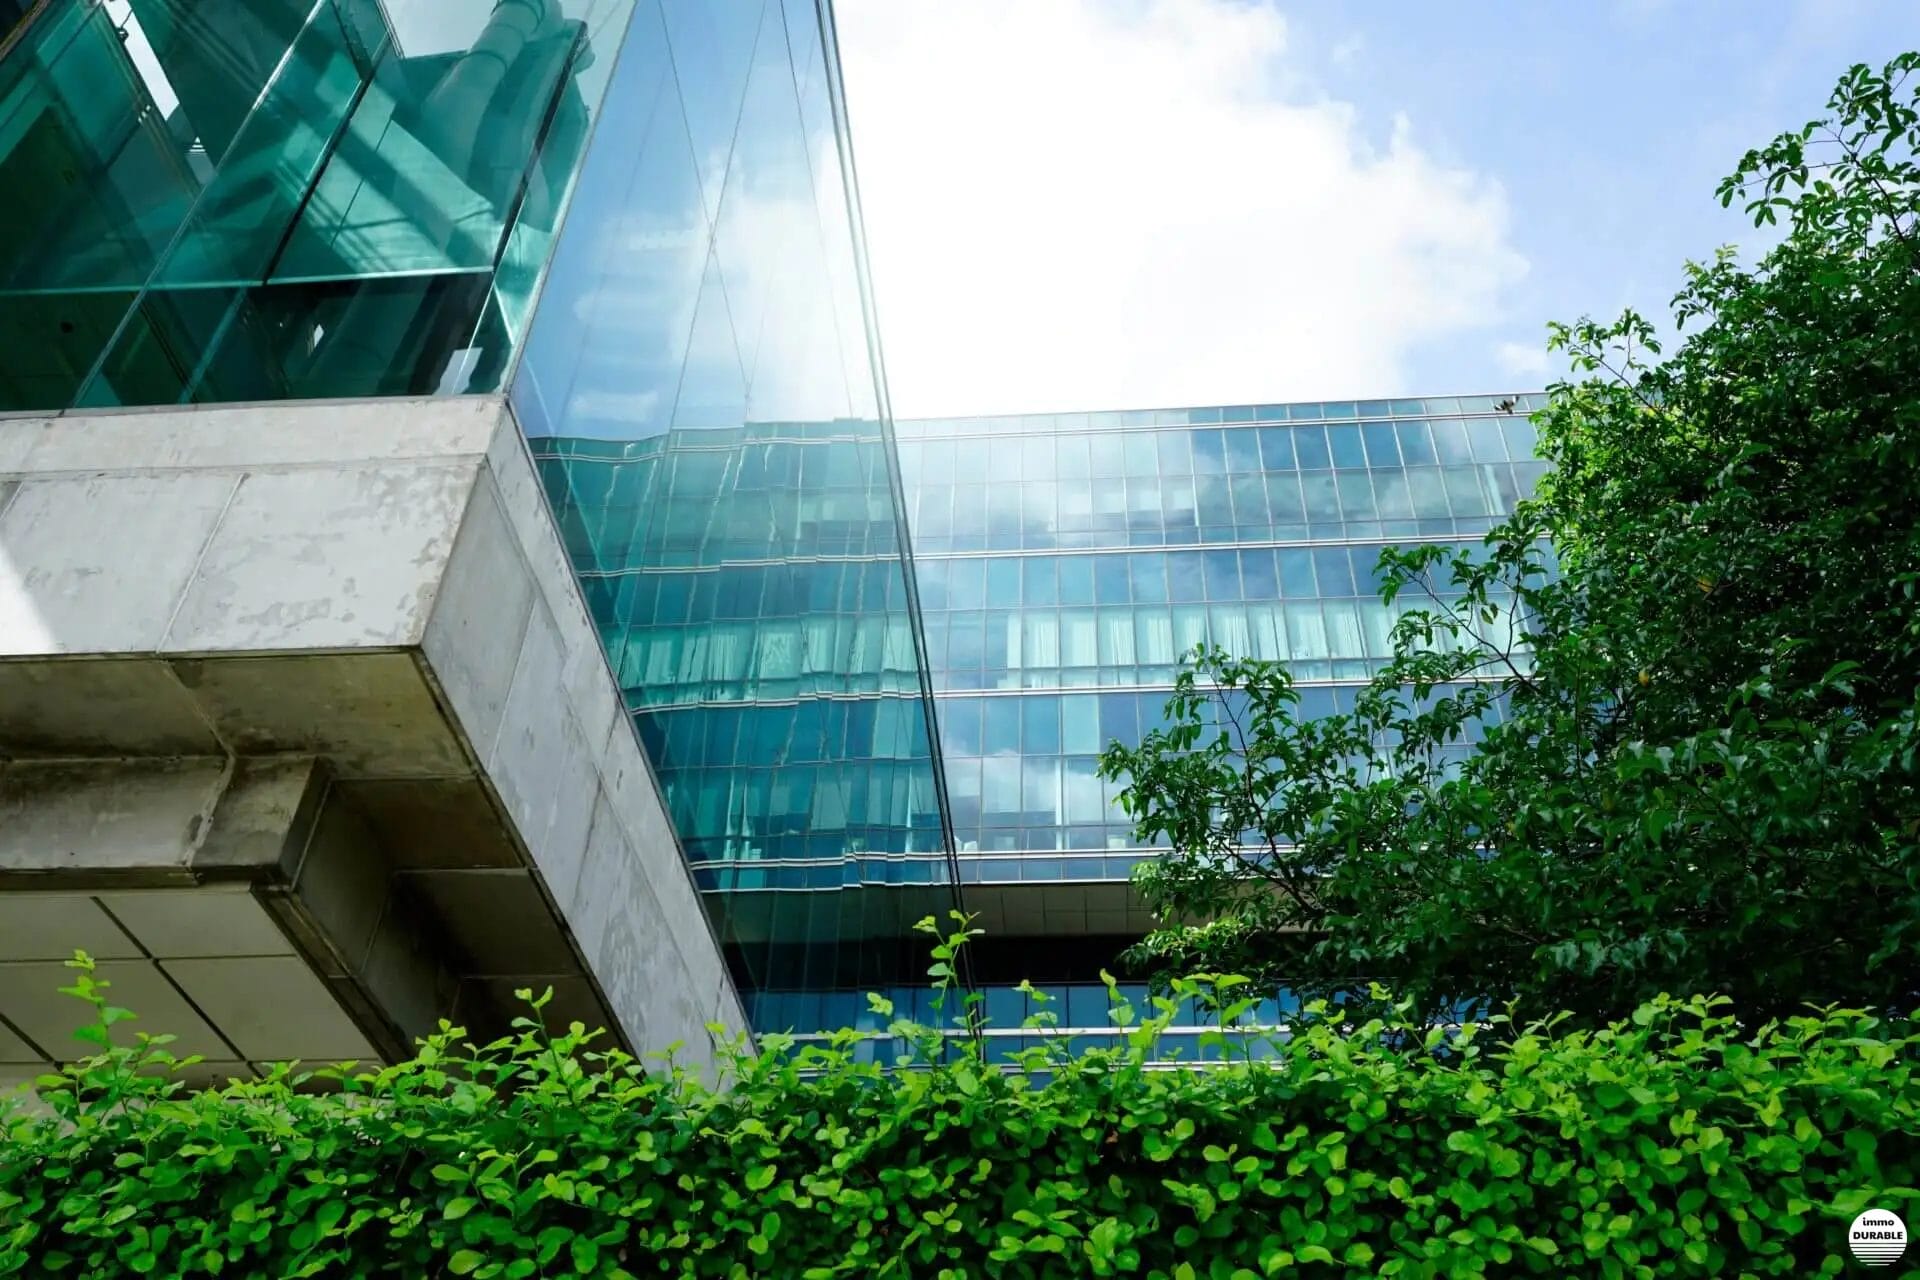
1119,718
1001,732
1223,575
1380,440
1186,576
1041,583
713,46
1486,439
1209,452
1080,715
1276,448
1296,573
1344,442
960,726
1040,725
1243,451
1076,580
1002,583
1310,446
1416,444
1450,441
1258,577
1148,572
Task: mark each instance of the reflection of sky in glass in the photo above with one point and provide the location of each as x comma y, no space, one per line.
706,278
1066,562
698,390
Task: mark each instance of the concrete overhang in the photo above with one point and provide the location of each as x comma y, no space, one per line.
306,734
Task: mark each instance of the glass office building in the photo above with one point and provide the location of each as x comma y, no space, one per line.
872,670
635,221
1062,566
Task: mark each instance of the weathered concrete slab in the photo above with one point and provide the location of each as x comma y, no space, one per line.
331,657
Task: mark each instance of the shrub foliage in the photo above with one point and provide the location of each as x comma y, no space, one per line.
1672,1143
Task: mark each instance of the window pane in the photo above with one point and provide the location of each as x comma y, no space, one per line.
1039,585
960,726
1119,721
1176,457
1356,496
1079,647
1257,577
1186,576
1076,580
1003,584
1450,441
1416,445
1209,453
1486,440
1080,714
1276,448
1142,457
1331,566
1148,571
1243,451
1283,499
1347,450
1382,451
1463,491
1306,631
1310,444
1296,573
1322,502
1116,637
1002,726
1223,575
1429,493
1040,725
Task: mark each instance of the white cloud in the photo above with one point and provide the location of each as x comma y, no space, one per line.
1109,203
1522,359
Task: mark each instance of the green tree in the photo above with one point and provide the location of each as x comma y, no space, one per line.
1679,753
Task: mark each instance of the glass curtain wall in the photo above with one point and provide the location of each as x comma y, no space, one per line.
217,200
704,406
1066,562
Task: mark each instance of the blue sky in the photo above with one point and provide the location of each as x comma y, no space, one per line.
1093,203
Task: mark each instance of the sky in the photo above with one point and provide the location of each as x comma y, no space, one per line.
1086,204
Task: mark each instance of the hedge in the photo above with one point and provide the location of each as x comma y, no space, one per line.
1674,1143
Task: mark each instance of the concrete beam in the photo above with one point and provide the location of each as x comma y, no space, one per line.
335,651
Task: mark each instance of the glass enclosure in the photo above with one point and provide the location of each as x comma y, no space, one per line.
708,415
1067,562
217,200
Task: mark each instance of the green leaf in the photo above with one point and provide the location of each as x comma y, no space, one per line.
464,1262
